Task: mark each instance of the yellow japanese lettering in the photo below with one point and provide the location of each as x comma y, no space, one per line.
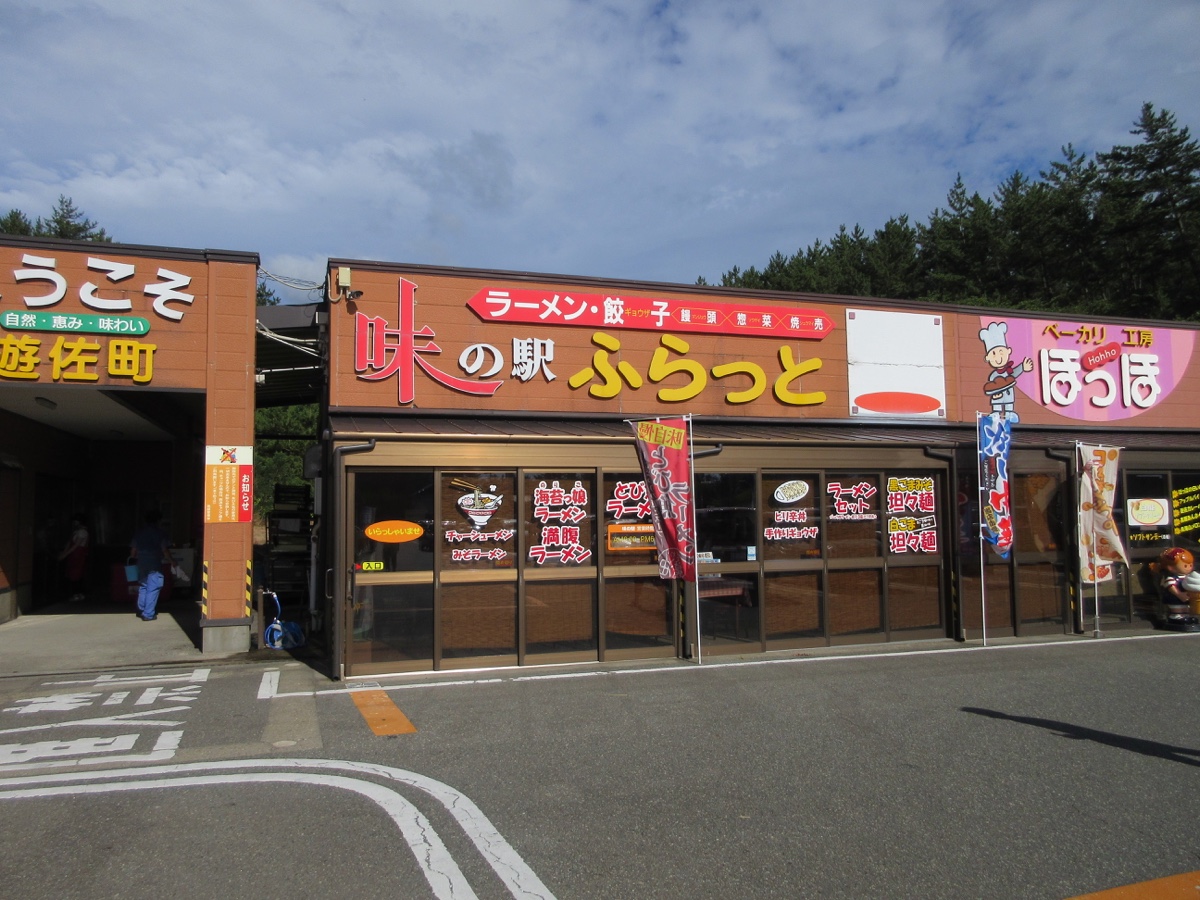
758,379
72,358
793,369
660,369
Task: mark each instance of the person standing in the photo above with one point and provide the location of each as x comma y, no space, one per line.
150,548
75,555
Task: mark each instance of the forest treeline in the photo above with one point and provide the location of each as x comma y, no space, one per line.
1116,234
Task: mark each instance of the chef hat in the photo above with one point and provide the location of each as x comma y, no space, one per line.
994,336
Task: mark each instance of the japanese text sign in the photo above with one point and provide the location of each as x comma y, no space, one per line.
228,484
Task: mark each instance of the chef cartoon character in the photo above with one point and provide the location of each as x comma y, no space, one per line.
1001,385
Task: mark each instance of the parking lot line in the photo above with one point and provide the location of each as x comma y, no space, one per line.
381,714
1185,886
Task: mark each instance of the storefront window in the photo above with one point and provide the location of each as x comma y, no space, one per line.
392,623
393,513
628,528
560,526
855,602
637,613
479,620
791,516
726,517
1037,512
793,606
1145,509
728,608
853,527
478,520
914,598
560,617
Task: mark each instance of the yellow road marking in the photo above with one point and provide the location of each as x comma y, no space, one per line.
1183,886
381,714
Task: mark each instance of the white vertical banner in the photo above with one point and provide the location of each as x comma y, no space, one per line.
1099,543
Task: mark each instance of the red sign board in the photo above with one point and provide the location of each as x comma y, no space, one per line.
517,306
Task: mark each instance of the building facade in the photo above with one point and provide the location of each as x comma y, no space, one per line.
486,505
127,385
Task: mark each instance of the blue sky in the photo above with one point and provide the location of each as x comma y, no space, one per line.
637,140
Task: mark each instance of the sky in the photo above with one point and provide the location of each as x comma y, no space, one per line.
654,141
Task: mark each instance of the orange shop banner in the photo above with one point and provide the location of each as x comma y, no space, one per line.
228,484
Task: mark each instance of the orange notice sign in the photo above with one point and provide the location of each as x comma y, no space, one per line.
228,484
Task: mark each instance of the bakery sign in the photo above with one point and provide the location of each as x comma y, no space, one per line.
1090,372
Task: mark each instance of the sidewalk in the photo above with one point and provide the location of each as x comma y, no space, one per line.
100,634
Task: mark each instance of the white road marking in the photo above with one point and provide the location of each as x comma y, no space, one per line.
434,860
512,870
269,686
196,676
18,757
122,720
706,667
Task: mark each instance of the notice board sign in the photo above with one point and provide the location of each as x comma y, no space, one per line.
228,484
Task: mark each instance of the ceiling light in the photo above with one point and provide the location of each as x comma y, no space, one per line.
45,402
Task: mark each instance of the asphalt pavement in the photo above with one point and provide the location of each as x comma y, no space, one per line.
1044,769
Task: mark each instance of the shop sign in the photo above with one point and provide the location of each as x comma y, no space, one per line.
630,500
790,524
559,512
630,536
77,359
851,502
1185,509
539,307
1084,371
167,290
895,364
228,484
73,356
911,514
478,506
394,531
1148,521
791,491
402,347
85,323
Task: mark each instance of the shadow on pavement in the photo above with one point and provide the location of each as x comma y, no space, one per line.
1184,755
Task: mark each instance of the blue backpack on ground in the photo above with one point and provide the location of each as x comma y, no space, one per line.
281,635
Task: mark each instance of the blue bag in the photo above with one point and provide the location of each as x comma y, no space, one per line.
282,635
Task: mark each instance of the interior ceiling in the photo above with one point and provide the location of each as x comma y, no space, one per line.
83,411
289,372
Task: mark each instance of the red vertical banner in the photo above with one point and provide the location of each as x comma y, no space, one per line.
665,451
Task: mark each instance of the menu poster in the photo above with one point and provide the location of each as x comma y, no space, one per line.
1185,507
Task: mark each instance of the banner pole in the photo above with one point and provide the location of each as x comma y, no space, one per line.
1096,470
979,534
695,540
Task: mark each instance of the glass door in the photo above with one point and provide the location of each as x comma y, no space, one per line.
390,621
1040,551
727,552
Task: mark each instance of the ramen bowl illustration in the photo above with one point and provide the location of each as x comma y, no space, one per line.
479,506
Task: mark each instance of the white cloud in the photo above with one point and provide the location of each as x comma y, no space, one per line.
621,138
